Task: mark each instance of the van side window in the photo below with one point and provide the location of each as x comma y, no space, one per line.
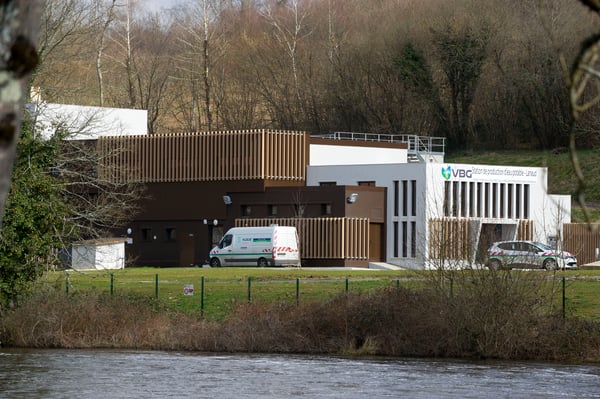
226,241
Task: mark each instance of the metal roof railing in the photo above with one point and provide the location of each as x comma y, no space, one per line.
416,144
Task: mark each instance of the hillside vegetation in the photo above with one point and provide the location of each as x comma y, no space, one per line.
561,175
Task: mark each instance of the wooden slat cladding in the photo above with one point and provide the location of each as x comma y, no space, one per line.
324,238
581,239
450,238
207,156
525,230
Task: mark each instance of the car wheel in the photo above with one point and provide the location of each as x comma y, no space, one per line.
550,264
494,264
214,262
262,262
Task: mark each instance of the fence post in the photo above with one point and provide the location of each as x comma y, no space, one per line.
202,296
346,285
297,291
156,286
564,299
249,289
112,283
67,283
398,284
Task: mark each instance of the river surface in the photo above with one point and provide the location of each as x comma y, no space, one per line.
145,374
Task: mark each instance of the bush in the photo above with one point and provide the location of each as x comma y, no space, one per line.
499,315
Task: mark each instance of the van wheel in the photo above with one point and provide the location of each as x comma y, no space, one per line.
214,262
262,262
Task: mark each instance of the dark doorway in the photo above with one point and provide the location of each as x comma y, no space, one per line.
187,250
376,242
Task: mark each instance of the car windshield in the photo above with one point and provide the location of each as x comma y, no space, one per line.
543,246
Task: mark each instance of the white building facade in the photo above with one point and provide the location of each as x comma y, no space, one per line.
491,203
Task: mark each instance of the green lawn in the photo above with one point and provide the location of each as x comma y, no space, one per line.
223,287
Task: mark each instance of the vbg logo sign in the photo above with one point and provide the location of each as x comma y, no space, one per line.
448,172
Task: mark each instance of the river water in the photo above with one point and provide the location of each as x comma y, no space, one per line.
145,374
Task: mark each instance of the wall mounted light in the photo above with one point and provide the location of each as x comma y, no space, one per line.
227,199
215,222
352,198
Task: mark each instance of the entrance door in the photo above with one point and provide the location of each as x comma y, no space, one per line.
187,250
376,242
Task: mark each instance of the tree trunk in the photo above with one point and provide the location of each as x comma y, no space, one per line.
19,26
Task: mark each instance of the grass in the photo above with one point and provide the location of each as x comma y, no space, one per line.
223,287
561,175
226,287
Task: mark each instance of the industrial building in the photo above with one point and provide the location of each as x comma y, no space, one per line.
357,199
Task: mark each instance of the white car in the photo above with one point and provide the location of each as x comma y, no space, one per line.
528,255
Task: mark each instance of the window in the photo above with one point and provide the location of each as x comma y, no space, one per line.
518,201
447,198
226,241
246,210
463,198
454,199
471,199
510,198
396,196
170,233
272,210
478,200
146,234
413,186
325,209
395,239
526,201
494,200
413,239
404,197
404,239
502,199
487,200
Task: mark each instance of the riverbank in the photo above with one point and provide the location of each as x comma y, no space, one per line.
487,316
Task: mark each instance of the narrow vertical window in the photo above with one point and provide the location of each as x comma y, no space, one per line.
494,200
471,199
447,198
518,201
413,239
455,199
404,239
463,198
526,201
487,200
502,199
510,198
396,197
395,239
478,206
404,198
413,185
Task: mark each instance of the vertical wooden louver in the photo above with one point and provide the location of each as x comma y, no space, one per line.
209,156
450,238
324,238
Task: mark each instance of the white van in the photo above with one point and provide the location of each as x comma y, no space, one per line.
257,246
